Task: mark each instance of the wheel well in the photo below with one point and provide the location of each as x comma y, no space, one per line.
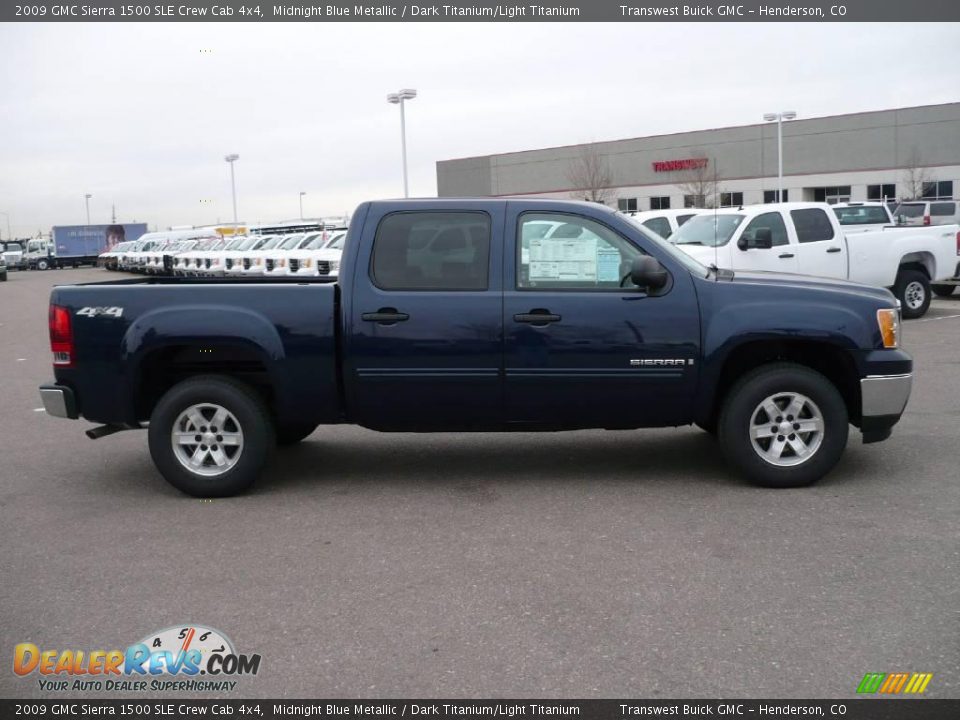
165,367
920,261
828,360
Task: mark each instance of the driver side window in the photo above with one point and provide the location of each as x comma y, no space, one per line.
570,252
774,222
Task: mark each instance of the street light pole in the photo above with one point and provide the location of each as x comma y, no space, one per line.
232,158
302,193
87,199
780,117
398,98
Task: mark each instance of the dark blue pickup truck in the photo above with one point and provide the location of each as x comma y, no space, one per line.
483,315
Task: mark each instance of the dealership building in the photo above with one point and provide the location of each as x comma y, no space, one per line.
888,154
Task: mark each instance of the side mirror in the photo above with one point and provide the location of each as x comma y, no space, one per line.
646,271
762,240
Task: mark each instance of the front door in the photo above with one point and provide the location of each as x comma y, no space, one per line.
424,344
582,346
782,257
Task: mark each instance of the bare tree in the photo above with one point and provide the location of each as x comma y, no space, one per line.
915,176
697,176
589,175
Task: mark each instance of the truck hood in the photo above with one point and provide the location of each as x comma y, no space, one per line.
809,282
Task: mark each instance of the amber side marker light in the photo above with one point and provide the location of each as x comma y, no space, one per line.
889,321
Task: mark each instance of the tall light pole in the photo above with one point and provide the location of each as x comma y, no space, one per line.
9,234
87,200
780,117
302,193
232,158
397,98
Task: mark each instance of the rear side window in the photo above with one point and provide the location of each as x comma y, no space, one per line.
862,215
943,208
660,225
911,210
432,251
812,225
681,219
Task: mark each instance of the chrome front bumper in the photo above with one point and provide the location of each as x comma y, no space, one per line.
885,395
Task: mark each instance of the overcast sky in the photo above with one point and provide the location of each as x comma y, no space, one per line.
141,115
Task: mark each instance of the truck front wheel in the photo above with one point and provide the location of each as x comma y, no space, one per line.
42,264
913,292
210,436
783,425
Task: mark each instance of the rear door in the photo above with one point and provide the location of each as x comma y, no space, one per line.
579,349
820,247
424,344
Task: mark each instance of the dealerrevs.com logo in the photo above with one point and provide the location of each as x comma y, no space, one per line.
180,658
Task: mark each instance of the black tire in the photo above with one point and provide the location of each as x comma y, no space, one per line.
943,290
292,434
737,416
910,283
251,415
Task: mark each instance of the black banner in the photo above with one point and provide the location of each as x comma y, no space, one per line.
482,11
873,709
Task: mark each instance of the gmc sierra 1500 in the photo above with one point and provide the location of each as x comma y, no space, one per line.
457,315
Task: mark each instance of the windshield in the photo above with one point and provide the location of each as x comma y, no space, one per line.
291,242
337,243
315,244
271,243
708,230
695,267
13,247
910,210
862,215
236,243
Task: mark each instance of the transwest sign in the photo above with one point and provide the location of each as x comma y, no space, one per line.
685,164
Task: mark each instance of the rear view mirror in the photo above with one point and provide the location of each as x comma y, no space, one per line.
647,272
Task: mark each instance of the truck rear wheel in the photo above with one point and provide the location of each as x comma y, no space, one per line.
783,425
913,292
210,436
943,290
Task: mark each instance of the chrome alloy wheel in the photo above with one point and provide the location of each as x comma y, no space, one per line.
207,439
914,295
786,429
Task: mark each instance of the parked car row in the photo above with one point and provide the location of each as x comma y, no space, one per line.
198,253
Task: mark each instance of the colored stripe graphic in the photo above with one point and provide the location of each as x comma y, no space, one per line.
894,683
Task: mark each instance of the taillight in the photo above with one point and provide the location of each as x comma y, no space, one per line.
926,219
61,336
958,243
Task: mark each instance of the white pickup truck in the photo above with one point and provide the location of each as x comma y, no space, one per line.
806,238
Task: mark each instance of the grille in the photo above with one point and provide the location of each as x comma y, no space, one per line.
206,263
323,267
246,263
294,264
197,262
270,265
229,263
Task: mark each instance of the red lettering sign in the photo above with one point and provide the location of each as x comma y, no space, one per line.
685,164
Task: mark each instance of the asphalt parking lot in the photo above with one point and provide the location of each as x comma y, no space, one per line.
583,564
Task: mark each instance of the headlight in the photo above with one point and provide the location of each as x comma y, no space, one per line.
308,263
257,261
889,321
282,263
334,265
